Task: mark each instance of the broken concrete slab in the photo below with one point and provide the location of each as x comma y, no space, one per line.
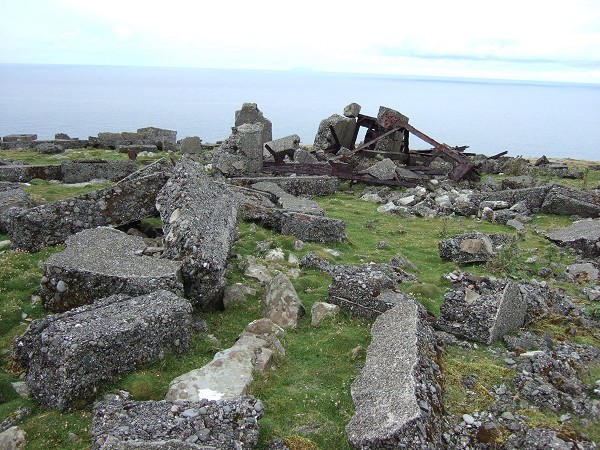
300,185
483,312
21,173
100,262
11,197
352,110
382,170
200,226
566,201
230,372
191,145
66,355
398,394
366,290
130,200
79,171
344,129
242,153
582,236
120,423
288,201
286,144
250,114
311,228
281,302
472,247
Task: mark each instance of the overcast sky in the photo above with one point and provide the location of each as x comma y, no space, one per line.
509,39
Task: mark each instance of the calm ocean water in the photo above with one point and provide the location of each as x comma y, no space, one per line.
529,119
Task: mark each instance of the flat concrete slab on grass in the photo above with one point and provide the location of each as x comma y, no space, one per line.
100,262
582,236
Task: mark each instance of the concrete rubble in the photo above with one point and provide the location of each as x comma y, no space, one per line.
161,139
200,226
398,394
131,199
120,423
250,114
103,261
344,129
12,198
482,310
473,247
583,236
67,355
242,153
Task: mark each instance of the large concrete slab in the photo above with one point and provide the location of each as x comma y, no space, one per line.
131,199
398,394
300,185
582,236
67,355
100,262
200,226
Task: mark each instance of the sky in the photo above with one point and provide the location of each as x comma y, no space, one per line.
544,40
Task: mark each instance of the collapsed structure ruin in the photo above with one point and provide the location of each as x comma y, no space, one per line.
123,300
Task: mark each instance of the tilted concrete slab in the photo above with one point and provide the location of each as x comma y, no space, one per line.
398,394
100,262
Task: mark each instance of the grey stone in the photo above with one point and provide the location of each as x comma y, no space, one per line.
344,129
352,110
19,173
122,424
12,439
236,293
231,371
584,272
281,302
131,199
483,313
100,262
191,145
395,406
19,137
67,355
320,311
582,236
250,114
383,170
288,201
200,226
164,140
286,144
242,153
49,148
303,156
311,228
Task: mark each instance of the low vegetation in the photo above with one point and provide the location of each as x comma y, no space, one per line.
307,392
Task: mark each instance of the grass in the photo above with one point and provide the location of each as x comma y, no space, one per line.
307,392
43,191
33,157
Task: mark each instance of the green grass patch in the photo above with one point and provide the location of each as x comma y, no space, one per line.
43,191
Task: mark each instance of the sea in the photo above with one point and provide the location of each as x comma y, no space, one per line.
524,118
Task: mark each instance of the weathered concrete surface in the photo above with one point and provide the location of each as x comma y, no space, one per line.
250,114
474,247
484,312
191,145
566,201
365,290
288,201
200,226
582,236
79,171
131,199
122,424
398,394
11,197
100,262
161,139
344,129
300,185
231,371
67,355
281,302
311,228
242,153
25,173
12,439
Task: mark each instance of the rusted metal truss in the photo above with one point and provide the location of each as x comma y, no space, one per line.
388,123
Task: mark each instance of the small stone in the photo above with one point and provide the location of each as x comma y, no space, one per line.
191,413
563,418
510,361
61,286
356,351
468,419
258,407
